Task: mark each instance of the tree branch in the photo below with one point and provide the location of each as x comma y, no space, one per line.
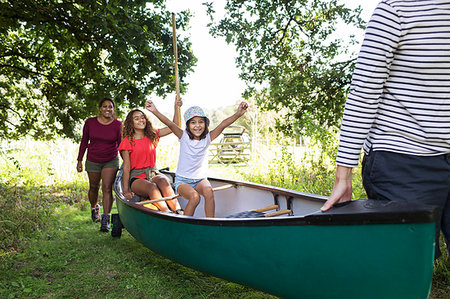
284,30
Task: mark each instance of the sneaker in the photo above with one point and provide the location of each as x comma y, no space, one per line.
95,214
104,223
179,212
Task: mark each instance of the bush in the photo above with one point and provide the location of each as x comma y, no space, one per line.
314,173
32,184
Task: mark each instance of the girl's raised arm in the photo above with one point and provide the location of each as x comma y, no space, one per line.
166,130
150,106
228,121
176,113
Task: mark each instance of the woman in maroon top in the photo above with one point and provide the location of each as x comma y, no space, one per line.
101,137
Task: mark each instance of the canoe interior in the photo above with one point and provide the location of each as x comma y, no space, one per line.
244,197
304,207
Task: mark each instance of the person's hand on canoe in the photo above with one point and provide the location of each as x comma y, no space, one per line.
342,190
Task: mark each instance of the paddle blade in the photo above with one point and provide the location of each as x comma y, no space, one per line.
247,214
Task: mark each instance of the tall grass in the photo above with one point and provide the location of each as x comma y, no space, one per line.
34,178
302,168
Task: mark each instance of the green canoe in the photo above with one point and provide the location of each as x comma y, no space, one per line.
362,249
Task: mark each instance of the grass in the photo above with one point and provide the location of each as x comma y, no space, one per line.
49,247
70,254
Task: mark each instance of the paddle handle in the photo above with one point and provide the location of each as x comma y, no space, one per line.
272,207
278,213
178,195
223,187
175,53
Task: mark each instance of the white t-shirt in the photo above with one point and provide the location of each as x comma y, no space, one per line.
193,159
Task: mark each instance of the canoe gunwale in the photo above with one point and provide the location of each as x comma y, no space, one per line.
420,216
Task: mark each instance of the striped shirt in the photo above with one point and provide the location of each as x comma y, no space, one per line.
399,99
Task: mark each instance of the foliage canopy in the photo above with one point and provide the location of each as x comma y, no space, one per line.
59,58
291,58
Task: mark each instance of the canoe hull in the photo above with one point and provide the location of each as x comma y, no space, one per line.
296,257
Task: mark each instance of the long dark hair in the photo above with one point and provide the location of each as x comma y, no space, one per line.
128,128
205,132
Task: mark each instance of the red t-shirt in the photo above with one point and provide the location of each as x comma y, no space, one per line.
100,140
142,153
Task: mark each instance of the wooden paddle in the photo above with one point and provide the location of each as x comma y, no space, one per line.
259,213
178,195
278,213
177,80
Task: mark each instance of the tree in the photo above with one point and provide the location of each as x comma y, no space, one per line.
59,58
290,58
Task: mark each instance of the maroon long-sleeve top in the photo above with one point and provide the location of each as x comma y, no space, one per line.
101,140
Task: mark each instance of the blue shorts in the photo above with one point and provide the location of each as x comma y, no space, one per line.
182,180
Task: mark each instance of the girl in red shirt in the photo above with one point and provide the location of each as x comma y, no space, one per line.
138,150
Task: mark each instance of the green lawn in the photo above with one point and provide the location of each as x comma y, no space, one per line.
68,257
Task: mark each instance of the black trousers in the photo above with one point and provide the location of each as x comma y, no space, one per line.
408,178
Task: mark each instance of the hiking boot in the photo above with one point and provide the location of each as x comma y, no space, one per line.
116,226
95,214
104,223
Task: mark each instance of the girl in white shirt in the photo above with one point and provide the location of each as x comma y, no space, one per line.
191,175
